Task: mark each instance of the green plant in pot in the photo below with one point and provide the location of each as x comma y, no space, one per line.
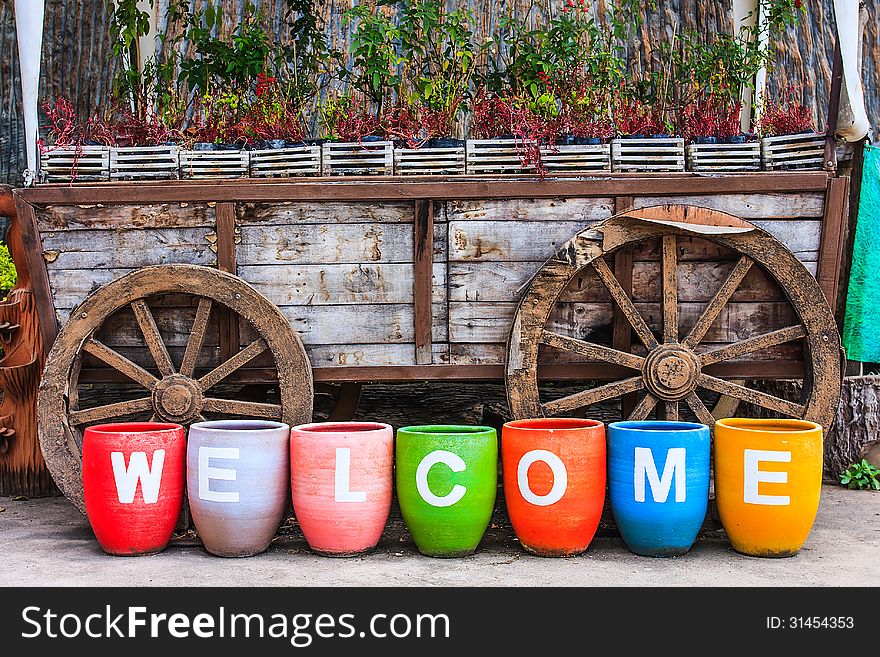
374,51
439,59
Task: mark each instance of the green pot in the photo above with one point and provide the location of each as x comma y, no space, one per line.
446,482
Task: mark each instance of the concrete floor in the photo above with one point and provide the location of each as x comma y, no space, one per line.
47,542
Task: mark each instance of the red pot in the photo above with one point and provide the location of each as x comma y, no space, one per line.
133,475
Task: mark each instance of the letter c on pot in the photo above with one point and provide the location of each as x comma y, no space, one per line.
455,463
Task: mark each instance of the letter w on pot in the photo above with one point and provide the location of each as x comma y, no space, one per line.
127,479
674,468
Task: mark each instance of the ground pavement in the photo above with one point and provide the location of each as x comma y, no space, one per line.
47,542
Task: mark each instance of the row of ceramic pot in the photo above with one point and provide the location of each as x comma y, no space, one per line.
555,473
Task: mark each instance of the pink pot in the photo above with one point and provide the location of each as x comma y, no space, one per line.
340,480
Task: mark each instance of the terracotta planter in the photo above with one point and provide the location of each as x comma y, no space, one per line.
133,484
768,477
237,476
554,482
446,481
341,481
658,482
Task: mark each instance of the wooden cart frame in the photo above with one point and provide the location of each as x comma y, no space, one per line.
677,359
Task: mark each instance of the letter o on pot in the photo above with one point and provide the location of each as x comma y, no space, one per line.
341,482
446,480
237,478
133,484
554,482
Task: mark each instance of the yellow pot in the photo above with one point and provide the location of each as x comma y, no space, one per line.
768,477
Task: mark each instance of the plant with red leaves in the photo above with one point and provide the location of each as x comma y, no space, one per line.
634,117
401,122
710,116
272,114
491,116
67,132
787,117
729,124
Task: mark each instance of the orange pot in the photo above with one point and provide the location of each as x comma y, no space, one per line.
768,477
554,482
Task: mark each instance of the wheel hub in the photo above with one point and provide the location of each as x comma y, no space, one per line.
177,398
671,371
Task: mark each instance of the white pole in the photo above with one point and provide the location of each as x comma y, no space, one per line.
745,14
852,126
29,32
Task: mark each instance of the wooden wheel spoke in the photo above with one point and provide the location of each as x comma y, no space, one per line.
196,338
237,407
699,409
752,396
624,303
718,301
152,337
108,411
643,408
593,396
592,350
670,289
120,363
670,409
243,357
751,345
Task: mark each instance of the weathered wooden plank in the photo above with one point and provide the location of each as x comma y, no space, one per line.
509,241
350,324
490,322
750,206
538,240
505,281
370,354
129,249
293,285
297,212
422,279
584,210
337,243
477,353
122,217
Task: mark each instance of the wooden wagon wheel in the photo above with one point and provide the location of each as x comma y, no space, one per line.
673,368
176,394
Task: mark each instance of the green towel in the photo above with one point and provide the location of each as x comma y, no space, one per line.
861,324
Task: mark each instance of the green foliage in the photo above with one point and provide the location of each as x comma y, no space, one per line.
307,56
218,63
438,52
128,23
861,476
374,42
8,275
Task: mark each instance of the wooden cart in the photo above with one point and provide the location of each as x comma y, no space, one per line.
661,293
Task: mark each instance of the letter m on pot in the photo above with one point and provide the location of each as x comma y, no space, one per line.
673,469
138,471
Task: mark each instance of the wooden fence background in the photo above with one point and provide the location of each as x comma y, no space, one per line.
77,61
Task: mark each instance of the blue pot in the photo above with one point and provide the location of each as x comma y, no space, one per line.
735,139
372,138
704,140
204,146
658,483
588,141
